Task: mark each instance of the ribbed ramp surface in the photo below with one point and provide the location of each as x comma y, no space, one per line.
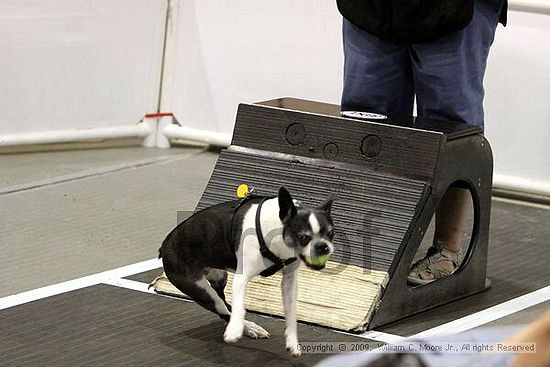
371,213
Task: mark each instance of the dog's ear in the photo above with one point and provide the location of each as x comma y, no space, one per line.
327,205
287,209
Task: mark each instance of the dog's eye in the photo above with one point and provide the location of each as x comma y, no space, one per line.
304,239
330,234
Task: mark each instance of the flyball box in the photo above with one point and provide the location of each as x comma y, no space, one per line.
388,177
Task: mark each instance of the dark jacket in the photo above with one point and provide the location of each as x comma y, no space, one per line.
413,21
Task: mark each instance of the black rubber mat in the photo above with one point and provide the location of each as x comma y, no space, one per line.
518,246
109,326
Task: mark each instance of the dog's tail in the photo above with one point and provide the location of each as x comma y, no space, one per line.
162,247
167,245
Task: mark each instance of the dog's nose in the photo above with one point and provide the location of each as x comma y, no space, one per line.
322,249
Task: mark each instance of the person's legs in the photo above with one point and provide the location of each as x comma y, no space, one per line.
446,254
448,81
450,217
448,73
377,74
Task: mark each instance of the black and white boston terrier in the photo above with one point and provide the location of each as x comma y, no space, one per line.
250,237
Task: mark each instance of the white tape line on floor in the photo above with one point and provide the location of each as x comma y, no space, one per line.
489,314
130,284
71,285
140,287
382,337
94,173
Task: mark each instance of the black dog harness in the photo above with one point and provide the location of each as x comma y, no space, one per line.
278,263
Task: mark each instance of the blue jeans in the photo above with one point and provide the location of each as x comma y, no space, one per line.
446,75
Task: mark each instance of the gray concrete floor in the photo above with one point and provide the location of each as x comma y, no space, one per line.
68,214
26,169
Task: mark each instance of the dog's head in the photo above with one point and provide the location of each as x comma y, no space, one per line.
309,231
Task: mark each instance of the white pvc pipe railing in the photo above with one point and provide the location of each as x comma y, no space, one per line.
140,130
173,131
531,6
520,184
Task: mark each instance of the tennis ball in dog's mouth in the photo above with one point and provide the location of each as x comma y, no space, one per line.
321,260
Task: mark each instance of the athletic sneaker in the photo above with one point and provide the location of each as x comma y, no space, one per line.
438,263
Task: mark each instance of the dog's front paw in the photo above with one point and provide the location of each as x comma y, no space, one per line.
294,351
232,333
292,347
255,331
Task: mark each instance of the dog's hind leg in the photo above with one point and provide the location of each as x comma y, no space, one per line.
200,290
218,280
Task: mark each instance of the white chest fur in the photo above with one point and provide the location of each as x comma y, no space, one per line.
249,259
